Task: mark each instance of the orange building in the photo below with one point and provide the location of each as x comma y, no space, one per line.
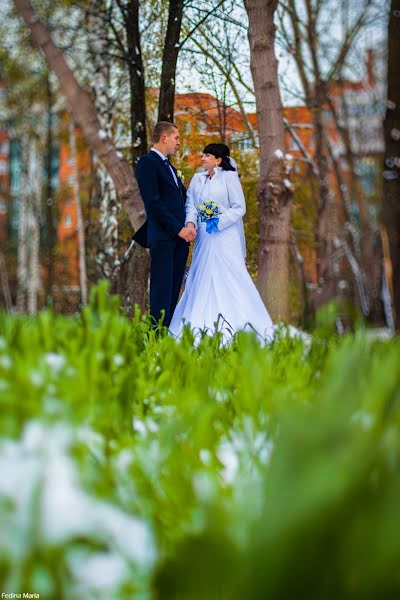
67,265
202,118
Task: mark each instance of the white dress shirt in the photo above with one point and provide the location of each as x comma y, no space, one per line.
164,159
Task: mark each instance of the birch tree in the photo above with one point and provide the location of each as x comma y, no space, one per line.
85,116
321,55
22,261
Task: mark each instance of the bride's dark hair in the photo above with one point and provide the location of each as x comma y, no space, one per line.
220,151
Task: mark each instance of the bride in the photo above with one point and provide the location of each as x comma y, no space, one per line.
219,293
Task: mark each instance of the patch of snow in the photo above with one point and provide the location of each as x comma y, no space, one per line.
205,456
55,361
36,378
5,362
40,484
395,134
118,360
287,183
228,457
139,426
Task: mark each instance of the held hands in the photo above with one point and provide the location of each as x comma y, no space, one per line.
188,233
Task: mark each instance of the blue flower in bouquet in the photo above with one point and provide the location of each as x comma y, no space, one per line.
208,213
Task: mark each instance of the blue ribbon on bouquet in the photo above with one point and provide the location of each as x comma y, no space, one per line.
212,225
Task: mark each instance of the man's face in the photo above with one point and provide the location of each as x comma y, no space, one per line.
172,142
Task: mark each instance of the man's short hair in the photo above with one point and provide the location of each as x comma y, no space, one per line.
162,128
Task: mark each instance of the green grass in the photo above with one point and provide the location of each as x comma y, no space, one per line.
134,466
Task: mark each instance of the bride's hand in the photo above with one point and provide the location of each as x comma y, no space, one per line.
192,228
187,233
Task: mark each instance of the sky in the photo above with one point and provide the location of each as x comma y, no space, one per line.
188,79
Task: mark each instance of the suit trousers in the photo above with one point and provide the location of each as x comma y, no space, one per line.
168,261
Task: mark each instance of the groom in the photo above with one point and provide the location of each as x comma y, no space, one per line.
165,233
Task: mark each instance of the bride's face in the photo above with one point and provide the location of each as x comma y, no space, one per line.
209,162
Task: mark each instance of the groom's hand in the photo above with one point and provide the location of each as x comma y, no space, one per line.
187,233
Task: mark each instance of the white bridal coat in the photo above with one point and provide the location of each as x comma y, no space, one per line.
219,292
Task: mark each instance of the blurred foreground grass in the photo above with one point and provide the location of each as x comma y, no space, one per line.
137,467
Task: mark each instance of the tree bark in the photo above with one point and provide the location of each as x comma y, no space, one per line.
79,220
391,211
326,229
136,82
49,196
22,266
169,61
85,116
131,279
273,195
5,285
107,242
35,201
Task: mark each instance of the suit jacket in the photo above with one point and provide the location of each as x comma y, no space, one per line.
163,199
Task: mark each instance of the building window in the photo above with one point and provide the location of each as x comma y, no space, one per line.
244,144
68,221
5,148
202,127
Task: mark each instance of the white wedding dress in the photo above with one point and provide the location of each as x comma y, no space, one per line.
219,293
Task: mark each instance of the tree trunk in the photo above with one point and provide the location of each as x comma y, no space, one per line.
85,116
35,202
22,266
391,212
326,229
107,243
136,82
273,195
49,196
133,281
362,235
169,61
79,220
5,285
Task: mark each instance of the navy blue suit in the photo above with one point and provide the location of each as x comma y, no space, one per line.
165,207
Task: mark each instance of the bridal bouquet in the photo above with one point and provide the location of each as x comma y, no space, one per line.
208,213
